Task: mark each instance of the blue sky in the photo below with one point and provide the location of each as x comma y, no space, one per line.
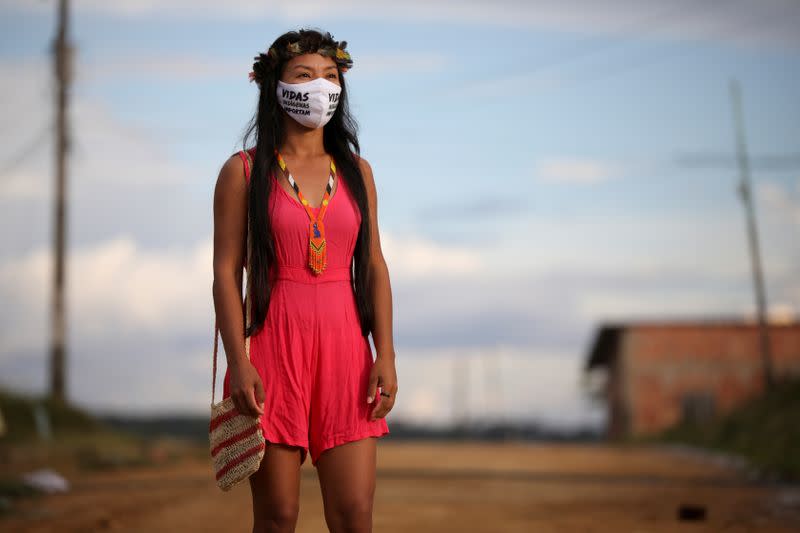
531,163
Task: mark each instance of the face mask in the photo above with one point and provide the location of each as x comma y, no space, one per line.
311,103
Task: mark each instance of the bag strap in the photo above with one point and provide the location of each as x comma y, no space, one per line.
245,156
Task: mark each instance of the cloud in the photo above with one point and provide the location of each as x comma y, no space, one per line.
575,171
184,67
98,141
412,257
22,185
114,286
170,67
396,62
482,208
780,202
715,161
144,314
492,384
24,134
744,23
140,305
147,314
123,178
32,76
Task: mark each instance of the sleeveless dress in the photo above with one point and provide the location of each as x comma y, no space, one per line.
313,360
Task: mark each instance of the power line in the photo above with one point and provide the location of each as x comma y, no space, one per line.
27,150
648,59
588,46
763,162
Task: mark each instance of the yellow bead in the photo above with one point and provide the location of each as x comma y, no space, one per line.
324,202
305,202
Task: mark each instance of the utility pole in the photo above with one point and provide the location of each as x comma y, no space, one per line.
62,52
493,386
461,391
745,192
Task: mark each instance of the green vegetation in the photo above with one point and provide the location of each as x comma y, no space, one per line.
75,441
18,413
765,431
78,438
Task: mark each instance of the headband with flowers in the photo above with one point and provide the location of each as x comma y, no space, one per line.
267,60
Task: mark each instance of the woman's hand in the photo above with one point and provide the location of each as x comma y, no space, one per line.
246,389
383,375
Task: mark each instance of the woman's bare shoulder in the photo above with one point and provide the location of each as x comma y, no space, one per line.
230,193
366,171
231,175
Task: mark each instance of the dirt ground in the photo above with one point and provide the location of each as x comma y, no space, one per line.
444,486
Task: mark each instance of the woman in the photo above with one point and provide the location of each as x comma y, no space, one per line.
319,286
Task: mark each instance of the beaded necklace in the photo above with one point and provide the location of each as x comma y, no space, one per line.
317,252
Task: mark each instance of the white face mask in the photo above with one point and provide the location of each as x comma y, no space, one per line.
311,103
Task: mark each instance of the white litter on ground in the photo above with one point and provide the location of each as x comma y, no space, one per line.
46,480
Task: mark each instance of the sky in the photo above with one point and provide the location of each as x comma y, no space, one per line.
542,168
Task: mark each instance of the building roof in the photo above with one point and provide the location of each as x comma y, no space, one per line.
605,345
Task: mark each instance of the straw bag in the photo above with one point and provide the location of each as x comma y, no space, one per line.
237,443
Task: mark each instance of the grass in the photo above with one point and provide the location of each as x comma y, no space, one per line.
18,412
76,441
765,431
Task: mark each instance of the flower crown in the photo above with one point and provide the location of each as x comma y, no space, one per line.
265,61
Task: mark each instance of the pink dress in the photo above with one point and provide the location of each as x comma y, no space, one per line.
313,360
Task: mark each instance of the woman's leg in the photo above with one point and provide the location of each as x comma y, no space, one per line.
275,487
347,480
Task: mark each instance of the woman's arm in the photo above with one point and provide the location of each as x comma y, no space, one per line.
230,221
383,371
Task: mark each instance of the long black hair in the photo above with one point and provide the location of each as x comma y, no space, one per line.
340,141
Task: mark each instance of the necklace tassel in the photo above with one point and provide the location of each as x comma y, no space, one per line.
318,251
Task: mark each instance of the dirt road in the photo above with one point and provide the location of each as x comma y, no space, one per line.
442,486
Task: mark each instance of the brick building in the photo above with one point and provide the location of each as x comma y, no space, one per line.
658,373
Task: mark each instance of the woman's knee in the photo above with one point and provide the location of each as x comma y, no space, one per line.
350,514
277,516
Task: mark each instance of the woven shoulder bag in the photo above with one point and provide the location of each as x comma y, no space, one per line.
237,442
